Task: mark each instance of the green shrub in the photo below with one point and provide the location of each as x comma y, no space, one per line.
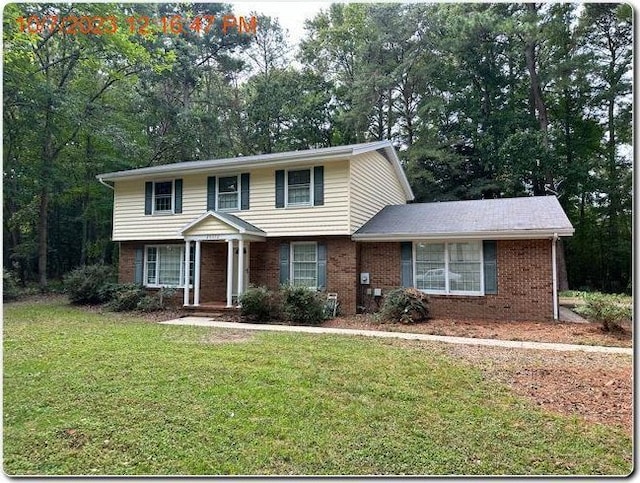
126,297
10,289
608,309
302,306
150,303
90,284
260,304
405,305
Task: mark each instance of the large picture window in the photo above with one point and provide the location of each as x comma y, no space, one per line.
164,266
449,268
304,265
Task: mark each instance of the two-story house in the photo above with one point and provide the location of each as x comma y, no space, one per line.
336,220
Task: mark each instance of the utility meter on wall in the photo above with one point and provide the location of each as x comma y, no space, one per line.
364,278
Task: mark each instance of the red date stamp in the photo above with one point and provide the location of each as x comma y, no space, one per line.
140,25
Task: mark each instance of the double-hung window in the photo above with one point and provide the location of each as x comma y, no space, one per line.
299,183
163,197
164,266
449,268
304,265
228,193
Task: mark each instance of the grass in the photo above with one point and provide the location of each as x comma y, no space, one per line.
86,393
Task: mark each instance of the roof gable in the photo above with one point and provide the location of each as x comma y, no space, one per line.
216,223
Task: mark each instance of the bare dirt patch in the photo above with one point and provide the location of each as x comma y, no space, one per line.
593,386
227,336
596,387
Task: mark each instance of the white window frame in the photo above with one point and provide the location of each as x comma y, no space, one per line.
291,263
164,285
173,198
447,290
239,192
286,188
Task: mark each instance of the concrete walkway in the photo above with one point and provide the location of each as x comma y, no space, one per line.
209,322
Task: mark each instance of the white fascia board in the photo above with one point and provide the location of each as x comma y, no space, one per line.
218,165
402,176
488,235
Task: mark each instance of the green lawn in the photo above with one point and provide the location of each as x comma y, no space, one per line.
86,393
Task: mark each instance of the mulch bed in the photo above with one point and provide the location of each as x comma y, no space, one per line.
558,332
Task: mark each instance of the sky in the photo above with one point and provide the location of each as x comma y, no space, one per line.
291,14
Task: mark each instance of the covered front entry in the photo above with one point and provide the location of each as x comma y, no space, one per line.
214,227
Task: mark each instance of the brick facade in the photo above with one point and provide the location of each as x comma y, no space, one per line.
264,268
525,289
524,276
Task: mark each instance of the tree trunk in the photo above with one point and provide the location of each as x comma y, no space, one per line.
43,242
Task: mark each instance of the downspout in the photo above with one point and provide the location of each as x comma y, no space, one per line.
554,271
104,183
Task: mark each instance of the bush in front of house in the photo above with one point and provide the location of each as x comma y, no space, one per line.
610,310
9,285
404,305
91,284
260,304
303,306
125,297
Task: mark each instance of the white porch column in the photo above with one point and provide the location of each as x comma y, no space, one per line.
187,252
229,273
554,274
240,268
196,275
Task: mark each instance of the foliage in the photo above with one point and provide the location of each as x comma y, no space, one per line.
302,306
195,402
260,304
150,303
126,297
482,100
404,305
90,284
9,285
610,310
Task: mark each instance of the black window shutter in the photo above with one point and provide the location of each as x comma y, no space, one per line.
138,266
148,197
280,188
406,253
318,186
244,193
284,264
490,258
178,196
211,193
322,266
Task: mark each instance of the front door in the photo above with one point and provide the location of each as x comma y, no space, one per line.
245,270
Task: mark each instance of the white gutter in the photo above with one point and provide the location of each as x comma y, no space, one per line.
107,185
554,271
485,235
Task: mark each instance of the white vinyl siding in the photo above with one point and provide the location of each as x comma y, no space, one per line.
449,268
373,185
332,218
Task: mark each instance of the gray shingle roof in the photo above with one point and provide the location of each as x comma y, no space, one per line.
506,217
